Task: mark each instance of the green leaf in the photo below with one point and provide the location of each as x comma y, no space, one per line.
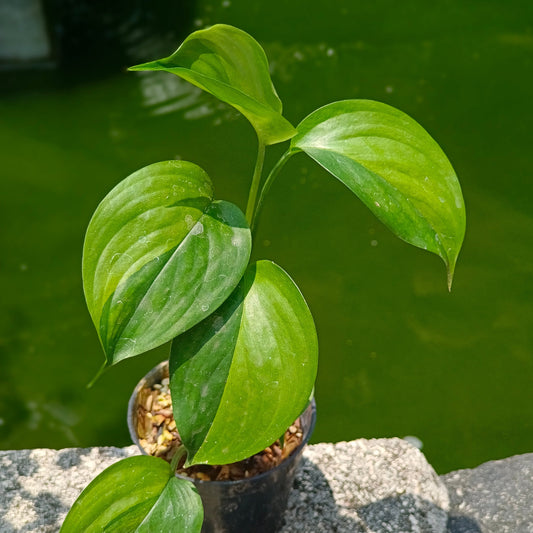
179,508
137,494
159,256
243,375
231,65
396,169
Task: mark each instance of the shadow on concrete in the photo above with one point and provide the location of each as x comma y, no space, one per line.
47,508
462,524
312,507
70,457
404,513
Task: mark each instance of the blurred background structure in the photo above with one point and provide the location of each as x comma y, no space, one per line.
399,354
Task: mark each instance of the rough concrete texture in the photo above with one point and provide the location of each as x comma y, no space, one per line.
496,497
367,486
370,486
37,487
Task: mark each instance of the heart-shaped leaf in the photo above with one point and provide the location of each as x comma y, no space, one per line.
159,256
231,65
243,375
396,169
138,494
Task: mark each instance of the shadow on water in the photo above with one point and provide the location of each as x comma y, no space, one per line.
13,409
87,39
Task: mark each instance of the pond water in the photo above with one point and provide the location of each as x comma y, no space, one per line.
399,355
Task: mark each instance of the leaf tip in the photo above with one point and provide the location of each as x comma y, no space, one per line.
450,267
151,65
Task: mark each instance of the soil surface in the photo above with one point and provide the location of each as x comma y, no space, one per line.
159,437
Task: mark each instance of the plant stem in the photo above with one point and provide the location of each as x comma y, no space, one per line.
256,180
266,187
176,458
97,377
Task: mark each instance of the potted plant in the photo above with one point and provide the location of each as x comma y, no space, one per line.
164,260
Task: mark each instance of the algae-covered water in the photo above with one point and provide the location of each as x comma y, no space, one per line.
399,354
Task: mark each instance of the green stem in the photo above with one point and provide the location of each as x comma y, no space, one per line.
266,187
97,377
256,180
176,458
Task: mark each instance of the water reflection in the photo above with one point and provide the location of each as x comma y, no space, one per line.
91,38
163,93
23,35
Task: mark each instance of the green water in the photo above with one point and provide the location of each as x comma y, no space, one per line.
399,354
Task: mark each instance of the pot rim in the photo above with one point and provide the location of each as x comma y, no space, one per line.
133,434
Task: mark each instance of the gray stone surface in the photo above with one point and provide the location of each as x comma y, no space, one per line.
367,486
37,487
496,497
364,486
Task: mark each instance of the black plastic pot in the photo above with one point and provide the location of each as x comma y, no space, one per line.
256,504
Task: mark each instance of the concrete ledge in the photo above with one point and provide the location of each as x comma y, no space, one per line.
367,486
496,497
363,486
